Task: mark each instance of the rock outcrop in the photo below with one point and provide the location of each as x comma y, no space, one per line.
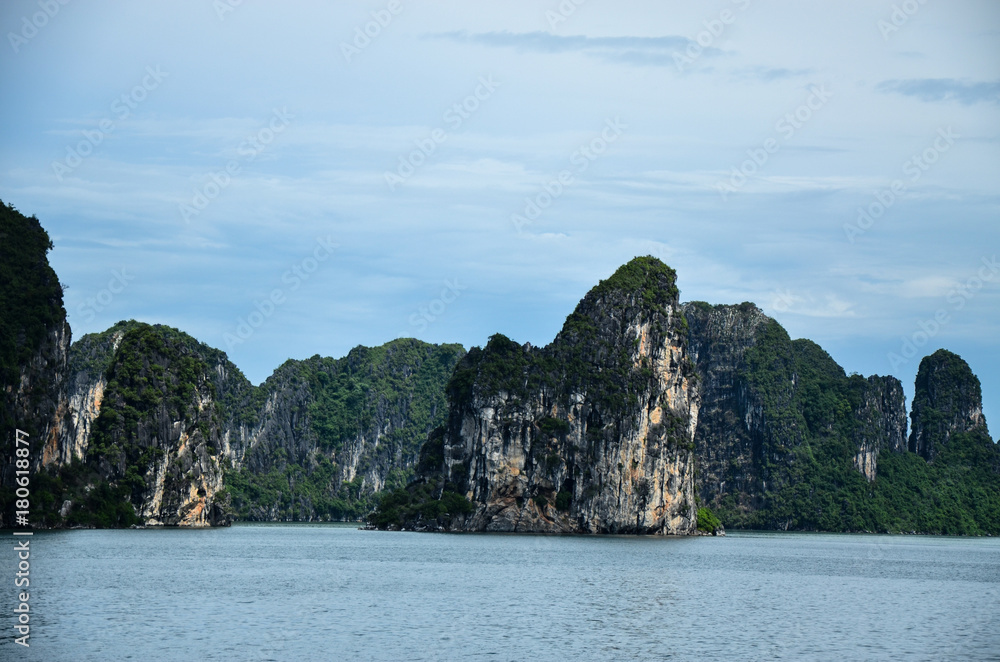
330,433
947,400
640,416
161,424
34,347
769,401
881,423
174,428
590,434
89,359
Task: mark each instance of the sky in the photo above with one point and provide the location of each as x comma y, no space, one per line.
288,179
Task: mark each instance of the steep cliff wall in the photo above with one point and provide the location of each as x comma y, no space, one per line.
89,359
333,432
592,433
730,438
781,421
947,400
34,345
881,423
161,424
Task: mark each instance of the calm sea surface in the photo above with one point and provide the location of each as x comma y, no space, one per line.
331,592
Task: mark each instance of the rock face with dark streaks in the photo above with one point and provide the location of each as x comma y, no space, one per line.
730,439
34,346
770,403
947,400
881,423
590,434
170,426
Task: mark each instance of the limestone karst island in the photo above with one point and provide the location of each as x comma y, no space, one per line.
644,415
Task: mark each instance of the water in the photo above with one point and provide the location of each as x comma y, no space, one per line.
329,592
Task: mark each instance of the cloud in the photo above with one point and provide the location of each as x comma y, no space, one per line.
642,51
768,74
944,89
809,305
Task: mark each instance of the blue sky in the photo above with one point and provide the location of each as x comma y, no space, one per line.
297,178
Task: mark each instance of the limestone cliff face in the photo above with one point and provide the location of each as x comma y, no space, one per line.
881,418
730,442
89,359
592,433
161,421
768,402
947,400
333,432
34,345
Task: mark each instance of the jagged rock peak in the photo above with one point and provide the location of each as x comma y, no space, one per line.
592,433
643,279
947,400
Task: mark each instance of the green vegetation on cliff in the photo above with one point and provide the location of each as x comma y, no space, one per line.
708,522
155,374
31,312
581,359
96,502
806,458
947,399
31,299
394,394
431,501
405,376
647,275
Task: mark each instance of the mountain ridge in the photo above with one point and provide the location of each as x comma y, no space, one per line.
703,408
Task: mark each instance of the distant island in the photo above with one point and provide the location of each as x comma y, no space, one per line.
644,415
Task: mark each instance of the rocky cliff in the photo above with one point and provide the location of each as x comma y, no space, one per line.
592,433
635,412
771,406
162,404
162,426
330,433
947,400
34,347
880,423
